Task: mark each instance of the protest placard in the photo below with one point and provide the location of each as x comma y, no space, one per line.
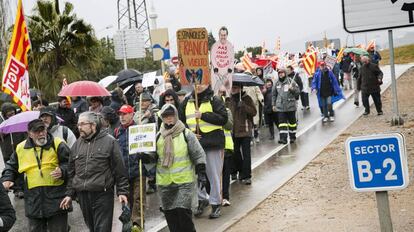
142,138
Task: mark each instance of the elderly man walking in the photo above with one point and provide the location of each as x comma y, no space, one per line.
95,166
369,81
43,159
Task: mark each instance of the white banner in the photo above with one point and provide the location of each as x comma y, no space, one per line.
142,138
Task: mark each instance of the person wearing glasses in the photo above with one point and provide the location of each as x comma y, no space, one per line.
95,167
43,159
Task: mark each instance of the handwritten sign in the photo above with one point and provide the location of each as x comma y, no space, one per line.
142,138
193,56
222,59
330,61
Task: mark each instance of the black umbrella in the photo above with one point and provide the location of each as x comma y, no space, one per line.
130,81
126,74
246,79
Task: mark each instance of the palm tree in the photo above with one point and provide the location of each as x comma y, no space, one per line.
62,46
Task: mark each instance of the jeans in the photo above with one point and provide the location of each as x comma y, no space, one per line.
327,108
377,101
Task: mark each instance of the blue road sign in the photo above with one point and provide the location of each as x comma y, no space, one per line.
377,162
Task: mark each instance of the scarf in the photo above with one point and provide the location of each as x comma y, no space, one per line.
168,135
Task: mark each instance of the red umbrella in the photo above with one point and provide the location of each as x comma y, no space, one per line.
84,88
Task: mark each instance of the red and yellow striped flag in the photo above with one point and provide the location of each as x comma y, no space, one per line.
340,55
309,62
247,62
16,74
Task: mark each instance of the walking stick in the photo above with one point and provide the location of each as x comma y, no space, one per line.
196,104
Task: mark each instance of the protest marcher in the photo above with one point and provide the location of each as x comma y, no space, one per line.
95,167
369,81
139,89
345,66
48,116
284,97
256,95
374,55
179,155
243,110
328,91
110,119
228,164
210,119
79,105
8,146
7,213
168,97
96,104
356,65
43,159
117,99
131,162
271,117
304,93
65,112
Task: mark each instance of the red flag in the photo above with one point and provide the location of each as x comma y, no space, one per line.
16,74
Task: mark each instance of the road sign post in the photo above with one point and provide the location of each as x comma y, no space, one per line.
368,15
378,163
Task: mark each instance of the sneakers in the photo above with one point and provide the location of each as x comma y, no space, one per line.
225,203
201,206
332,119
215,211
325,119
380,113
366,113
307,107
247,181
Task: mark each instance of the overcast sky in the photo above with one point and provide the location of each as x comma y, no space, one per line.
249,22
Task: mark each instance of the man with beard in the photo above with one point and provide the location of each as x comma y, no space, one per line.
95,166
43,159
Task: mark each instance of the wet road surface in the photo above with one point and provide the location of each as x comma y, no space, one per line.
273,165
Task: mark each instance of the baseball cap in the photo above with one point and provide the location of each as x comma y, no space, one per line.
36,125
126,109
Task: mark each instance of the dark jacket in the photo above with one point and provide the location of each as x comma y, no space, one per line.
96,165
41,202
267,96
243,112
295,76
7,213
283,97
213,139
370,78
131,162
69,118
7,147
345,64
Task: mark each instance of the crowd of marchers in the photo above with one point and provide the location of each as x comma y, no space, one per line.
79,149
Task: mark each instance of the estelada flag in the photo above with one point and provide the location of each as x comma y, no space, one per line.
16,74
309,63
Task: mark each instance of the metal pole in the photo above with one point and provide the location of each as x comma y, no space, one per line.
384,211
396,119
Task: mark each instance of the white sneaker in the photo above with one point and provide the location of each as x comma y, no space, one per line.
331,119
325,120
225,203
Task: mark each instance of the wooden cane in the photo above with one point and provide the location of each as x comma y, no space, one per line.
141,205
196,105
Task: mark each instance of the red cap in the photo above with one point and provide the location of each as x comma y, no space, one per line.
321,63
126,109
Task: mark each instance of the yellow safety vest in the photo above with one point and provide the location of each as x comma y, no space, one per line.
181,170
28,164
205,127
